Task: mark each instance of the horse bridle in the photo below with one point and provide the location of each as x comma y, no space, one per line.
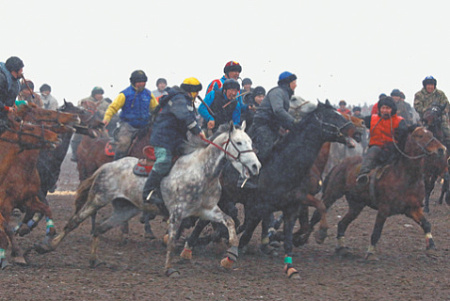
20,133
336,130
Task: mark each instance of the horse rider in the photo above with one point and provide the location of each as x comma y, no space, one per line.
343,108
223,104
27,93
49,102
404,109
177,116
252,103
10,72
94,103
271,116
232,70
429,96
386,129
136,104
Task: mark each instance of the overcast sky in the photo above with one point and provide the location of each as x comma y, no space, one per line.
348,49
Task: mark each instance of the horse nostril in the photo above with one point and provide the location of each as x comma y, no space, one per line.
441,151
255,168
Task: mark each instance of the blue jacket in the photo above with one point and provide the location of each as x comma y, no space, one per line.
177,116
216,100
215,85
9,87
136,109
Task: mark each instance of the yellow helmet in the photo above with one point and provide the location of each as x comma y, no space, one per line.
191,84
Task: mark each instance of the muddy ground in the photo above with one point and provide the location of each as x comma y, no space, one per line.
135,271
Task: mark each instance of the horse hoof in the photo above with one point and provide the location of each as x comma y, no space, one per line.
320,236
343,251
186,254
51,232
226,263
23,230
172,273
20,260
166,239
4,264
291,272
149,235
275,244
371,257
267,249
300,240
94,263
43,247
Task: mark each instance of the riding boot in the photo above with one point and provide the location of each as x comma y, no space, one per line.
151,189
250,183
369,163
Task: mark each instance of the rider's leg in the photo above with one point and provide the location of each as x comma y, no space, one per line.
446,131
160,169
369,163
125,136
76,140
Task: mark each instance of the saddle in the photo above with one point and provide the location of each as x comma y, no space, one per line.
145,165
374,176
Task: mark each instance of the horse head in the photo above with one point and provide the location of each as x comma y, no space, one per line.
32,113
28,136
421,142
333,126
432,118
238,149
91,122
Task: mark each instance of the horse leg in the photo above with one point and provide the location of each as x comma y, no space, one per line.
120,216
420,219
265,247
429,186
217,215
301,236
16,250
353,211
192,240
147,227
290,217
375,237
35,205
174,225
3,242
444,189
310,200
252,219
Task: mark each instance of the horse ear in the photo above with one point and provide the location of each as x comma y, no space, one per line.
243,125
327,102
65,102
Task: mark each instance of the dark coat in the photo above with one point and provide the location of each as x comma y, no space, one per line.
177,116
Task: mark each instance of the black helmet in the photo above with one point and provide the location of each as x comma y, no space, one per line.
232,66
429,80
97,90
23,85
14,64
259,91
231,84
356,109
246,81
138,76
396,92
45,87
161,80
388,101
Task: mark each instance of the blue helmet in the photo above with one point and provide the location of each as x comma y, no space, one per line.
286,77
429,80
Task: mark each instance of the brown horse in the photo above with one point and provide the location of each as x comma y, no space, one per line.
24,174
394,189
14,139
435,167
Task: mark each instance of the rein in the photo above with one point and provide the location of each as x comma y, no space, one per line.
229,141
337,129
20,133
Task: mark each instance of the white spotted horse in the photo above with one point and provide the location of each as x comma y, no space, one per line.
192,188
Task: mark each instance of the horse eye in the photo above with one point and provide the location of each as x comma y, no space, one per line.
239,143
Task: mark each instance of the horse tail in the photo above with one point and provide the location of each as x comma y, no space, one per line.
83,192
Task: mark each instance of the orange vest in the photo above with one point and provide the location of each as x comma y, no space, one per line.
381,130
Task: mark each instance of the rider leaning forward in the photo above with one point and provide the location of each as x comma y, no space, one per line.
177,116
386,129
10,73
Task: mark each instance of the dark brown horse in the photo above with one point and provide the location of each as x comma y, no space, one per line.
16,139
435,167
394,189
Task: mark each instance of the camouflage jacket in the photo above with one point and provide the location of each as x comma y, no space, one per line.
423,100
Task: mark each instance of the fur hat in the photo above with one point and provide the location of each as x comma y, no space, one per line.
387,101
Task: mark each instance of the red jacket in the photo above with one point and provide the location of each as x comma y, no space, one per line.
381,130
345,111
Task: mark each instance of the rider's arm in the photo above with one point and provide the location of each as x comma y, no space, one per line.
182,113
114,107
419,103
153,103
202,110
277,104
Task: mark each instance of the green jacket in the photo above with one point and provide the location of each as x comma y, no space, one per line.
423,100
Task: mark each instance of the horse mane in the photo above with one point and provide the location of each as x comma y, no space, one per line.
192,145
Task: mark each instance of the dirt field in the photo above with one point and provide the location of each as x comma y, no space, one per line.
135,271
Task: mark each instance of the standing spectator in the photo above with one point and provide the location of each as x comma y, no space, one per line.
49,102
161,85
10,72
